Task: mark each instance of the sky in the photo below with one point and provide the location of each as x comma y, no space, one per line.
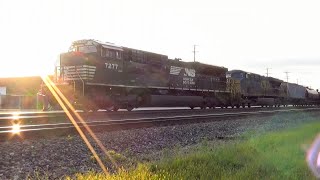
251,35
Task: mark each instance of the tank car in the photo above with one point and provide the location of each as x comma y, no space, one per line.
294,94
299,95
95,75
312,96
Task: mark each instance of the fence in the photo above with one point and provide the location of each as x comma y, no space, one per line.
18,102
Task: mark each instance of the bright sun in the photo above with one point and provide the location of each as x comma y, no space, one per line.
36,57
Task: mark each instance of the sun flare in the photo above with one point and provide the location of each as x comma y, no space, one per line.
15,129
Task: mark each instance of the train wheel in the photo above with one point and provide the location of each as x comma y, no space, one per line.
243,105
238,106
191,107
232,106
86,108
249,105
129,107
108,109
115,108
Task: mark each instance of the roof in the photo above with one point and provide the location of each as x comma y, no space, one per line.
96,42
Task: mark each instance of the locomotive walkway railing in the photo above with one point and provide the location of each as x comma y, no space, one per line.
67,73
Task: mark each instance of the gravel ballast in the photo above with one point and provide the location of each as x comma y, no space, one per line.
61,156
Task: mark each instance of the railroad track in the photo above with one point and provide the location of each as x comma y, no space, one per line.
33,116
5,114
43,130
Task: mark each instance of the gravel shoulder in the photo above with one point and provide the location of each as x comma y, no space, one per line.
60,156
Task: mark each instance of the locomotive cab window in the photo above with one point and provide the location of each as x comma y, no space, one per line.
118,55
87,49
103,52
83,48
73,49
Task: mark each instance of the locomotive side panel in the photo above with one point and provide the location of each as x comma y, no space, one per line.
197,76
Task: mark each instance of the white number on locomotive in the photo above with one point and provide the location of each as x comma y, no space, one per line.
111,66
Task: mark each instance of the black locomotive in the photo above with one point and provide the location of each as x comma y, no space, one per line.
98,75
95,75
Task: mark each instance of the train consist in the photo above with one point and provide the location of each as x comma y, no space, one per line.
95,75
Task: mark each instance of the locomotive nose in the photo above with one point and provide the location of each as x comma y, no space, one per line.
72,58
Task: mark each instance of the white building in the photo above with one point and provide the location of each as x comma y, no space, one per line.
3,90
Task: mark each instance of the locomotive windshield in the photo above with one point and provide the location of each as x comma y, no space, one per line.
236,75
83,48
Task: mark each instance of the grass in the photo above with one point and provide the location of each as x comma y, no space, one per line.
274,155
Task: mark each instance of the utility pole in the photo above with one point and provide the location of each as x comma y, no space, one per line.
268,71
194,53
287,75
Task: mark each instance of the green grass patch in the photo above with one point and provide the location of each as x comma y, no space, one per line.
274,155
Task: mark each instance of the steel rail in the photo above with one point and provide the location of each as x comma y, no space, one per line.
51,114
28,131
4,114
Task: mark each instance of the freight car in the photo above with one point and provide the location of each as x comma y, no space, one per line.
95,75
299,95
295,94
259,90
312,96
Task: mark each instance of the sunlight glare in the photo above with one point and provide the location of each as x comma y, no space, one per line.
15,129
15,123
15,116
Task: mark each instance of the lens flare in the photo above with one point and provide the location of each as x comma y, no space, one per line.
318,160
66,105
15,129
313,157
15,116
